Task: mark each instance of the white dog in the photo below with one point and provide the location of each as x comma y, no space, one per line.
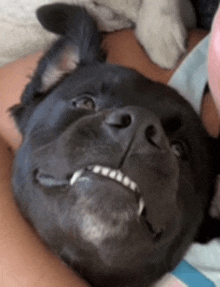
160,26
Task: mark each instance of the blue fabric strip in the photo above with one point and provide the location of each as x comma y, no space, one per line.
191,276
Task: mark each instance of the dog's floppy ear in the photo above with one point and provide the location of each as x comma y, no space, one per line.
78,44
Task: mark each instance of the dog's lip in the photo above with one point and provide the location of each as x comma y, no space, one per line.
115,175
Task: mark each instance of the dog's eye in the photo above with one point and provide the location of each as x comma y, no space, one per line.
179,149
84,102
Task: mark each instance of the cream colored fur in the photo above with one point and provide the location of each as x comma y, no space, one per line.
160,25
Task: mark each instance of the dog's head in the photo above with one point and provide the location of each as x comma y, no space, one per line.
115,172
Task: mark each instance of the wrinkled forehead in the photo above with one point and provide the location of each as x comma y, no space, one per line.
98,74
118,86
121,85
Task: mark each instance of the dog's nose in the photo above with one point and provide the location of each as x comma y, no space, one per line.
135,122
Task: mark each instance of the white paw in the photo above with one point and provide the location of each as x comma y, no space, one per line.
163,37
107,19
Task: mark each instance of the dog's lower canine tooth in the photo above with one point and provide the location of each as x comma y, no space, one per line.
141,206
75,176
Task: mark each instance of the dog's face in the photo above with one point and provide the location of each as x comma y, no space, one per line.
115,172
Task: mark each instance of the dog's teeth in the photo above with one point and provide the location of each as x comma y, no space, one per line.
133,186
126,181
105,171
97,169
75,176
119,176
141,206
112,174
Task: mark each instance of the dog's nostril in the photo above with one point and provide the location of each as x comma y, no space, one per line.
125,121
120,121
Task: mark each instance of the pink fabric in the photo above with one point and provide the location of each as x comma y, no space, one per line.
170,280
214,60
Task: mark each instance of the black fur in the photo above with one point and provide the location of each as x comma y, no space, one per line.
78,112
205,11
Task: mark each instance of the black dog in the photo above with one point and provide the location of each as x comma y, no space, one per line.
115,172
